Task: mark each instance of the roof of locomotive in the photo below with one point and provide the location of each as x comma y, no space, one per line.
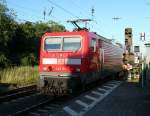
67,33
93,34
82,32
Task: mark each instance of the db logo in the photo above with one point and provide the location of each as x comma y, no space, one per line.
61,61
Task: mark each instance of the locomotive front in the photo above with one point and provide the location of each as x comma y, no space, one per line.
61,56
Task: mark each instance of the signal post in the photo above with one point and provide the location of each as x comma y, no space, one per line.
128,57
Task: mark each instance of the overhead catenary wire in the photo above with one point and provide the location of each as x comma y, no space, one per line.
26,8
81,12
85,12
27,11
65,10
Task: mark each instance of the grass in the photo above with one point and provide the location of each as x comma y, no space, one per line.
22,75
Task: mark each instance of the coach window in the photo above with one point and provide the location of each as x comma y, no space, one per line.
52,43
93,45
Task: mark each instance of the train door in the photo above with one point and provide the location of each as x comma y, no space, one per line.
93,60
93,54
101,57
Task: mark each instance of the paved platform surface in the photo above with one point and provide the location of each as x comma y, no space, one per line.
129,99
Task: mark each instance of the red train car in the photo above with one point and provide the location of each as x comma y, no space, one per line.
71,59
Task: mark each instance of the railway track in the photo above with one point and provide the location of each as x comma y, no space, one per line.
32,107
21,104
36,104
21,100
49,105
16,93
40,105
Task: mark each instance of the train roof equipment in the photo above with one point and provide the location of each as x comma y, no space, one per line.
77,27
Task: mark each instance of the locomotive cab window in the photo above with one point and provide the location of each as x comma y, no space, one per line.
71,43
93,45
62,43
52,43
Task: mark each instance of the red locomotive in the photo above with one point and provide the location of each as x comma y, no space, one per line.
71,59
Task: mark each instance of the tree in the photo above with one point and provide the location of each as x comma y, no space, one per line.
7,31
56,27
20,42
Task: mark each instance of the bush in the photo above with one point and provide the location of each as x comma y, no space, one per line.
20,75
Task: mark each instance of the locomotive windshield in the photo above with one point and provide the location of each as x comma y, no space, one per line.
52,43
62,43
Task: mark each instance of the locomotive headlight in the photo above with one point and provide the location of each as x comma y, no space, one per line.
44,68
78,70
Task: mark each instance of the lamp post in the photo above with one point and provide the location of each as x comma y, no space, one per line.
142,38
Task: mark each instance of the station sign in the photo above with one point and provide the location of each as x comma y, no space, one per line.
136,49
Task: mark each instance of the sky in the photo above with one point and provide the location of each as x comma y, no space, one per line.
132,13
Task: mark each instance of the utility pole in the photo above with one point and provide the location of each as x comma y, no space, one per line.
44,13
92,11
142,38
115,19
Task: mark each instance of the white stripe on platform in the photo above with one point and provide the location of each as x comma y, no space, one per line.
111,84
107,87
97,93
82,103
86,106
70,111
91,98
114,82
102,89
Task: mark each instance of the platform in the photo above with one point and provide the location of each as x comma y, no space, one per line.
129,99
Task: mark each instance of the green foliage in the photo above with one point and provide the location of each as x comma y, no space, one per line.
20,42
29,60
21,75
55,27
7,31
